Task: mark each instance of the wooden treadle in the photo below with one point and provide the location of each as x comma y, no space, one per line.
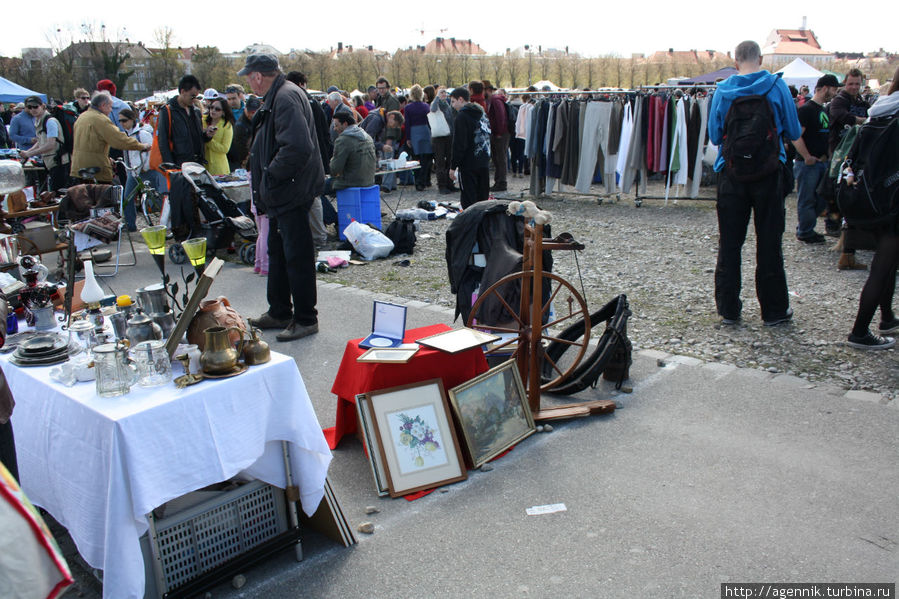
575,410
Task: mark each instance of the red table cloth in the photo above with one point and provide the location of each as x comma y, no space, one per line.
354,378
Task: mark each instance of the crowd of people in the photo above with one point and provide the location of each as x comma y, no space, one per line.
288,140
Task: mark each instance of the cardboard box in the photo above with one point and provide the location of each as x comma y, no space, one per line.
41,234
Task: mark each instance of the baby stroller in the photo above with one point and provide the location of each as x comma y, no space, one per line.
219,219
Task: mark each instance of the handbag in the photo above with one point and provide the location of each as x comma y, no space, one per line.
438,124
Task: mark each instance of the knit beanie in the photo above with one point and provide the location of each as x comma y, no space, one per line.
105,85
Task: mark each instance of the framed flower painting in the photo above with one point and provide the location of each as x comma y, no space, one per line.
415,437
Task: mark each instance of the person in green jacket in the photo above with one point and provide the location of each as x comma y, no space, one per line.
353,162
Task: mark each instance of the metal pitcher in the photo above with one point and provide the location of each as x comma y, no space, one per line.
152,299
219,356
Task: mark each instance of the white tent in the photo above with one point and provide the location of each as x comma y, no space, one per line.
800,73
546,85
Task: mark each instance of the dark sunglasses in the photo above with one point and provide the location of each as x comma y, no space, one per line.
123,121
84,97
217,108
32,106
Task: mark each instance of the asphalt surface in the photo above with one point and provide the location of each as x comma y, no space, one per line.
704,474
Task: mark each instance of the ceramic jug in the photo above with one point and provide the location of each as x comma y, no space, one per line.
220,355
212,313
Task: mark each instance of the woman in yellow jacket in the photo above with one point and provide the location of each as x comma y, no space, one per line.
219,130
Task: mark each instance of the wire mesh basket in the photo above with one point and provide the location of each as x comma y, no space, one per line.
196,540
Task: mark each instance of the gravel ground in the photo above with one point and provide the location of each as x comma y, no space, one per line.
663,258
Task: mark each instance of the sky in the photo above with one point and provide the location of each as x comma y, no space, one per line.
603,29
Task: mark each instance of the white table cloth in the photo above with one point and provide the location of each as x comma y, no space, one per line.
99,465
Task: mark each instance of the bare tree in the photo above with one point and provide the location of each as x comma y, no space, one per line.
513,64
165,69
465,67
321,64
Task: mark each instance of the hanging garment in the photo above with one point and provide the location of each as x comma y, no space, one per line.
595,138
635,165
696,165
572,144
679,149
663,140
627,128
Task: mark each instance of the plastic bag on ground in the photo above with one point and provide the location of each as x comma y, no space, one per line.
370,243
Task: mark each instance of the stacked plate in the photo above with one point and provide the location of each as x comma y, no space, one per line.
42,350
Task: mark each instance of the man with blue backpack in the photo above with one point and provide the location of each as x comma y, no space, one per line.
750,112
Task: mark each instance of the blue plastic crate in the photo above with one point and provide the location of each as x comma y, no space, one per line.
362,204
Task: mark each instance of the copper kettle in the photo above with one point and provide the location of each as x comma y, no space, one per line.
255,350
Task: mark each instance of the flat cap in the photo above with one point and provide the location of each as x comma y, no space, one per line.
261,63
253,103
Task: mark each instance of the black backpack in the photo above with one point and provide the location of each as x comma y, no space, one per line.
511,117
751,146
873,199
402,233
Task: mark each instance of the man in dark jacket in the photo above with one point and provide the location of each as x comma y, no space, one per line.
287,175
183,140
243,131
847,108
471,148
499,135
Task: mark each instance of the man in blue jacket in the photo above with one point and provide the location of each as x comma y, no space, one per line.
21,128
765,196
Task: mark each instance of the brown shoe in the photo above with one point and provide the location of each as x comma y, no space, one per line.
848,262
297,331
267,321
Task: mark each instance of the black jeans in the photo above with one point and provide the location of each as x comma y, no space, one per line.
881,284
475,185
291,268
443,154
8,449
736,201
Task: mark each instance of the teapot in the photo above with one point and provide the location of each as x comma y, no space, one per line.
142,328
219,356
255,350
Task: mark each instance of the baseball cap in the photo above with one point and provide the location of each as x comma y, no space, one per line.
253,103
333,88
210,94
262,63
33,100
827,80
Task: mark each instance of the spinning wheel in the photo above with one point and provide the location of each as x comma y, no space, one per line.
506,308
522,332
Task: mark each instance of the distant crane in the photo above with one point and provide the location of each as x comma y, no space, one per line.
423,31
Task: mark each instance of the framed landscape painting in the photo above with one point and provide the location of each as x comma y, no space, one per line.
493,413
416,438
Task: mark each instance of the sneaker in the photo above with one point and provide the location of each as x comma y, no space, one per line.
295,330
814,237
871,341
267,321
730,321
890,327
783,319
499,187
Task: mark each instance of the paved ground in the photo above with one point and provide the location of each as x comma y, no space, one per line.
705,474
